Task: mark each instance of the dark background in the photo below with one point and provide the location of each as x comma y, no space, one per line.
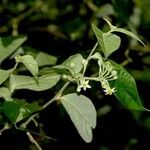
63,28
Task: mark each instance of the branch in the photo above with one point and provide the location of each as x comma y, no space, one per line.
33,141
56,96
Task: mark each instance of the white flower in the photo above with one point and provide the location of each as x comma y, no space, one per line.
107,72
83,84
104,84
109,91
106,87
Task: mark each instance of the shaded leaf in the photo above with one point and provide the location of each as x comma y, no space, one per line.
105,10
17,110
41,57
45,59
126,90
82,112
61,69
122,9
8,45
143,75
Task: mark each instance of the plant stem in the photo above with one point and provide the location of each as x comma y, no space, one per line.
56,96
92,78
23,125
35,133
45,105
15,66
92,51
88,58
31,138
6,127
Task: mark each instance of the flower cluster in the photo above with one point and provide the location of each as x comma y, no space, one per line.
107,73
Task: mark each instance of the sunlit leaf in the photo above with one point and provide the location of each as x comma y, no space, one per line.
4,74
4,93
98,56
82,112
109,42
115,29
128,33
8,45
74,63
30,63
25,82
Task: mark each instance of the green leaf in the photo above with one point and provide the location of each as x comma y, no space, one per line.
126,90
128,33
45,59
8,45
115,29
25,82
61,69
30,63
4,74
74,63
109,42
105,10
42,58
4,93
82,112
17,110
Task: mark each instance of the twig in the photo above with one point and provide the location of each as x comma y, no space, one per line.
128,59
56,96
91,5
88,58
31,118
6,127
141,49
35,133
92,51
33,141
44,106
